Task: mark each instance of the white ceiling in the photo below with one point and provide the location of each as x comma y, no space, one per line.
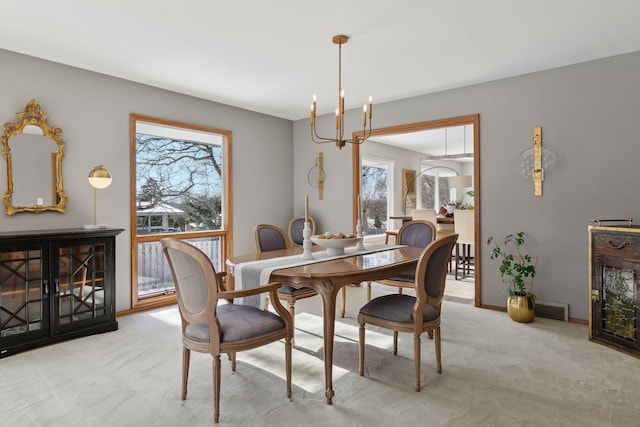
435,143
271,56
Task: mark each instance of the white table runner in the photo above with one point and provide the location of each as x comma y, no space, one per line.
256,273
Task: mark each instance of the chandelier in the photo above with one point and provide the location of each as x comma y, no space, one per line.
367,111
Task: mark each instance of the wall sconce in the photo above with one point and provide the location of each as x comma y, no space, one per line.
535,161
99,178
316,175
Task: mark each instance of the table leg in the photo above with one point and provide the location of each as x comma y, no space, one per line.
328,292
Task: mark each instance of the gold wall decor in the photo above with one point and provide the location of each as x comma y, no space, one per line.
536,161
33,151
537,172
408,189
316,175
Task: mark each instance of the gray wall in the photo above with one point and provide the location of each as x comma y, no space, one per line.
588,113
93,112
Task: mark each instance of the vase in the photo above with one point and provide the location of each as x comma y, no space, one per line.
521,308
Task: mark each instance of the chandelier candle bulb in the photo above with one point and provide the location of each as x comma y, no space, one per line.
306,207
370,107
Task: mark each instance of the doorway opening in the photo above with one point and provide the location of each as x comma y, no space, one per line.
465,160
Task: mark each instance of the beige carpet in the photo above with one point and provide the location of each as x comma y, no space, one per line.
495,373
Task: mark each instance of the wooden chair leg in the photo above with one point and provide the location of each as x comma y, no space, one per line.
368,291
343,300
292,311
186,356
266,303
232,358
416,358
438,349
395,343
216,388
361,345
287,352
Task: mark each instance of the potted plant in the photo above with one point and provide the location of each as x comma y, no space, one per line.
517,271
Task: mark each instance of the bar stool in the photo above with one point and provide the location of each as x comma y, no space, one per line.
464,227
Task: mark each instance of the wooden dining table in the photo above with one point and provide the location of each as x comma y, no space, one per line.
327,277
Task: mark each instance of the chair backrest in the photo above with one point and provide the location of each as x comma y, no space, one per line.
296,225
431,272
425,214
195,279
418,233
270,238
464,226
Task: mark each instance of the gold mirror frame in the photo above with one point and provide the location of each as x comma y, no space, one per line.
33,115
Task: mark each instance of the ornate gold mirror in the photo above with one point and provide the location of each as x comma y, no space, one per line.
34,152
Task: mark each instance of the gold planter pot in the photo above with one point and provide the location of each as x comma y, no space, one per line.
521,308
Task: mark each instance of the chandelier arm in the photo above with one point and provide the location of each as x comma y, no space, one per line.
365,135
318,139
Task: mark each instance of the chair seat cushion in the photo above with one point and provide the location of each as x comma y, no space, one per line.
397,308
237,322
290,290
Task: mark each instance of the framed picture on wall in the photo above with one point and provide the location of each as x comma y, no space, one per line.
408,189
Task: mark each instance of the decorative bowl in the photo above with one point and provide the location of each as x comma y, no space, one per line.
335,246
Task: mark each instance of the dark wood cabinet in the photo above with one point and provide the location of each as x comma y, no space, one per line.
614,259
55,285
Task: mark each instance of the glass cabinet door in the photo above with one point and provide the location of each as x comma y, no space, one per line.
80,281
618,303
24,297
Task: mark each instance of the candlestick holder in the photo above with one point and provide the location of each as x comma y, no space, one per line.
306,242
359,235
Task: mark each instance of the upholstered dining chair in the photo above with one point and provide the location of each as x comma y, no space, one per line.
295,228
271,238
212,326
418,234
432,216
406,313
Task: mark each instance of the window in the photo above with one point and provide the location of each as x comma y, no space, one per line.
429,180
182,187
375,194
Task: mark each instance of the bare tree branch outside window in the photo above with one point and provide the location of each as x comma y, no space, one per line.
182,180
374,199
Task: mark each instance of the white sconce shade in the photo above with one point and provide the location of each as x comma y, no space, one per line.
99,178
